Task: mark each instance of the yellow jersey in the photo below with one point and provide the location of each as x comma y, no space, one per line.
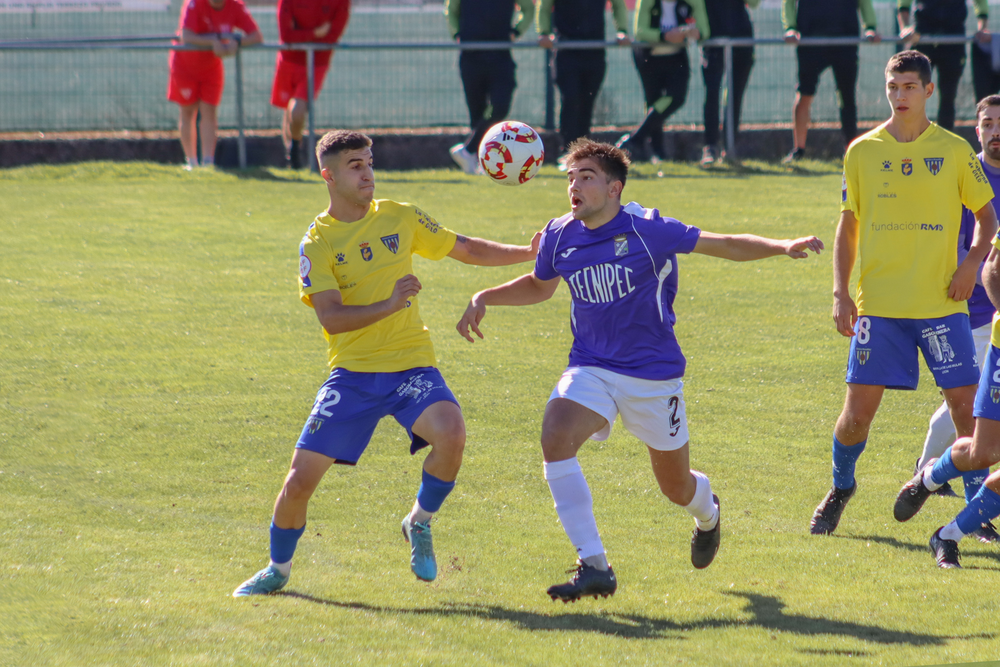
907,198
363,260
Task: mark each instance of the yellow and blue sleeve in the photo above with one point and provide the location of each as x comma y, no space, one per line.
430,239
315,268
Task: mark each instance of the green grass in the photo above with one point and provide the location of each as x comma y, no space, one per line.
156,367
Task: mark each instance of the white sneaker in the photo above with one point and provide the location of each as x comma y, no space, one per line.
466,161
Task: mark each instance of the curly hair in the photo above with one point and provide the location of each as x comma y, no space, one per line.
613,161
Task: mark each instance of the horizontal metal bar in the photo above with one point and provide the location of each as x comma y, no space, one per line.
132,43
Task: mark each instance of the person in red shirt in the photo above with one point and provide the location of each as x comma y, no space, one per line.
303,21
197,77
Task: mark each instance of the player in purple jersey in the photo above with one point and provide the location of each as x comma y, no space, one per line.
941,431
621,267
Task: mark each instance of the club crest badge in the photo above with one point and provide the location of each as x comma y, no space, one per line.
621,245
391,242
907,166
366,252
934,164
995,394
863,356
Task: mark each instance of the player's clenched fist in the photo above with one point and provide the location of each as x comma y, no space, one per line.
406,288
474,314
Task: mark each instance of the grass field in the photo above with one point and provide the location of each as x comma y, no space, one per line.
156,367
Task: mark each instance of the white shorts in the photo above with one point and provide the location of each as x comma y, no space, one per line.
651,410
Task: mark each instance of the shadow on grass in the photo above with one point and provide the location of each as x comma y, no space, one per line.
921,548
766,612
887,541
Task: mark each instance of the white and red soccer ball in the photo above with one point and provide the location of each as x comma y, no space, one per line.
511,153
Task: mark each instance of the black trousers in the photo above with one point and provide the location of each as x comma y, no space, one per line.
579,75
713,71
985,81
843,60
489,82
949,59
661,76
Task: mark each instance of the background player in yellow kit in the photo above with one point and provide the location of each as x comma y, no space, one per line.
355,270
904,186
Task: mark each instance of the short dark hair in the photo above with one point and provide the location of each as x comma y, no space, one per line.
612,161
987,102
910,61
338,141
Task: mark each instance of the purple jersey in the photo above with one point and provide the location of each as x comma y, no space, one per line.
622,277
980,308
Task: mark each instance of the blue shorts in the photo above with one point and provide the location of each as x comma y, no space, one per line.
884,351
350,405
988,397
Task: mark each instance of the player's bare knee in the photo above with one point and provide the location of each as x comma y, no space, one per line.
296,489
451,445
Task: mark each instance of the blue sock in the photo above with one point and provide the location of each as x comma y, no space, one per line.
984,507
432,492
844,460
944,469
283,542
973,482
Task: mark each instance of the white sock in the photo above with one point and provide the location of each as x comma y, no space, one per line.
419,515
702,506
940,435
575,507
928,482
952,532
192,162
284,568
207,161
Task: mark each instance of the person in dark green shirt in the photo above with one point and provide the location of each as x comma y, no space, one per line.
662,30
487,76
941,17
833,18
579,72
726,18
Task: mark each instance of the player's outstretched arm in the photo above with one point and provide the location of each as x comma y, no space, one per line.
748,247
481,252
337,318
523,291
964,280
845,251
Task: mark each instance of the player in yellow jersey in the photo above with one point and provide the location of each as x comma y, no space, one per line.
904,186
355,271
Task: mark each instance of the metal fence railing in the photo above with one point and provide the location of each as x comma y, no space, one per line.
412,78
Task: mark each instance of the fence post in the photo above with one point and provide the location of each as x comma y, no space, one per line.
241,142
311,91
550,93
730,102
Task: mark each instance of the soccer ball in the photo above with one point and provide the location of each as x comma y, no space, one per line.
511,153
